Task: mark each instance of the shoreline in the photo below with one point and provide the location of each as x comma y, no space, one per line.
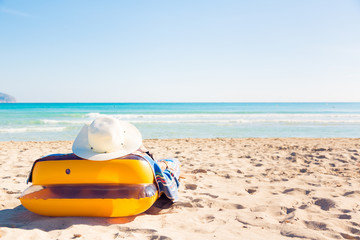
241,188
202,138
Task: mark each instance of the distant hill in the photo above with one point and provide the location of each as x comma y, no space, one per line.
5,98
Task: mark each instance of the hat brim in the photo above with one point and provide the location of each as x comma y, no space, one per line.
82,148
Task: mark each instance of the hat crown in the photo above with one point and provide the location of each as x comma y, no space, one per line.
106,138
106,135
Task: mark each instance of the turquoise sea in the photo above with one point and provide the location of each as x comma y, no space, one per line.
62,121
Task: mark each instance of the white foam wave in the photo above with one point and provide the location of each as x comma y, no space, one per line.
93,115
51,121
243,121
217,116
216,119
32,129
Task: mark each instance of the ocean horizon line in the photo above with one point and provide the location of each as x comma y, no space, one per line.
142,102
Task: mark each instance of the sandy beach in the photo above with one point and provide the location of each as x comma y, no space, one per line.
250,188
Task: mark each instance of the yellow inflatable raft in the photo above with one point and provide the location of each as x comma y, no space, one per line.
77,187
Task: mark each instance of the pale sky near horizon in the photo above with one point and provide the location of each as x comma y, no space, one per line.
180,51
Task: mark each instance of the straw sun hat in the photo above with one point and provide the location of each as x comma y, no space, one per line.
106,138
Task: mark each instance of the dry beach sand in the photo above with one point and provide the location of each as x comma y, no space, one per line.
286,188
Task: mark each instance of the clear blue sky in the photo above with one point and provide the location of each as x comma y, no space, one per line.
188,50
